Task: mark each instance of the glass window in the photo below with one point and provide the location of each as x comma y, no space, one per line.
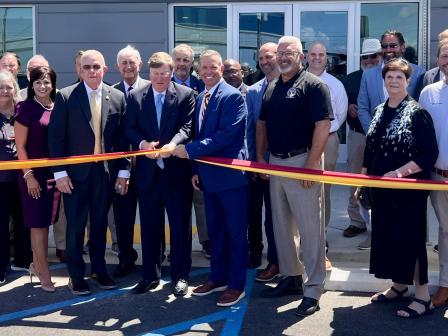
257,29
202,28
376,18
329,28
16,32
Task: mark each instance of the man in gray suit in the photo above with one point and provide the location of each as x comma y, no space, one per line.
129,64
372,91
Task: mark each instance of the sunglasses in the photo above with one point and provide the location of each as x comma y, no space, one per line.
373,56
95,67
389,45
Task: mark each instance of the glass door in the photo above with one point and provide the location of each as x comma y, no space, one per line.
330,24
254,25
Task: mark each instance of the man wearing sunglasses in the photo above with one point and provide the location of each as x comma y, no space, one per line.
356,139
372,91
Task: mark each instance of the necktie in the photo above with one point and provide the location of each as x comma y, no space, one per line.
184,84
96,122
203,108
129,91
159,107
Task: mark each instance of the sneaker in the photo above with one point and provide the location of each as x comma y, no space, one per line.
328,265
353,231
115,249
207,288
365,245
268,274
230,297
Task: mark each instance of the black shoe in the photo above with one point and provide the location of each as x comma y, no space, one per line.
78,286
180,287
123,269
307,307
254,260
353,231
103,280
290,285
145,285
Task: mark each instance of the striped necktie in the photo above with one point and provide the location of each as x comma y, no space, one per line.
204,108
129,91
96,121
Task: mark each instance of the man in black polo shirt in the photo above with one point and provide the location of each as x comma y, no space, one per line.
294,123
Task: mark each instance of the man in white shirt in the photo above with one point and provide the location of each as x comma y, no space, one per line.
434,98
317,62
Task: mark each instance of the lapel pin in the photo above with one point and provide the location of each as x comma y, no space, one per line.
107,98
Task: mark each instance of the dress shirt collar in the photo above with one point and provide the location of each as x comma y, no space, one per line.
180,81
99,90
212,89
156,93
126,85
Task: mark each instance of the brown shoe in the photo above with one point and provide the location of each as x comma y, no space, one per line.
440,298
230,297
328,265
207,288
268,274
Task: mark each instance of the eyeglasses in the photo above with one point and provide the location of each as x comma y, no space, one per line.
373,56
286,53
231,72
389,45
95,67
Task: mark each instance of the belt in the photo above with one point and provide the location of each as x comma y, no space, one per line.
440,172
290,154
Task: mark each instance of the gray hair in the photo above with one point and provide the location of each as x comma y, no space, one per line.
291,40
184,47
7,76
38,56
210,53
316,43
129,51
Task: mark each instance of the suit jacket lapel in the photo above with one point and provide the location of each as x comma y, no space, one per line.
213,99
105,106
380,86
168,104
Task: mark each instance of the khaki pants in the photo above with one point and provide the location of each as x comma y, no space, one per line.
356,142
330,158
439,200
297,226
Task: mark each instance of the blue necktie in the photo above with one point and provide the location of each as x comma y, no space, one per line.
159,107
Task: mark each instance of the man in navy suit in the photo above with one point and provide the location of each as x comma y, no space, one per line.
129,64
220,120
87,120
159,115
372,91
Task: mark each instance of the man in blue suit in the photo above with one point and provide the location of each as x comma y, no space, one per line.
372,91
220,120
159,115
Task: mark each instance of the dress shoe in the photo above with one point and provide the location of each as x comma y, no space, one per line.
180,287
230,297
123,269
254,260
207,288
353,231
440,298
308,306
61,255
290,285
268,274
145,285
103,280
78,286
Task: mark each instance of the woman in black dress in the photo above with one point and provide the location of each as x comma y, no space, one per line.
400,143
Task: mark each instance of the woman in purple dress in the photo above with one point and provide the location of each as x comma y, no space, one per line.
31,131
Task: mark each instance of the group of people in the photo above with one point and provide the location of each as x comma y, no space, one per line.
291,118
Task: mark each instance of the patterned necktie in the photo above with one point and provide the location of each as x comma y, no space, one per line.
203,108
159,108
129,91
96,122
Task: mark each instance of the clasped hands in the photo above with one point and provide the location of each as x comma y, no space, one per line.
170,149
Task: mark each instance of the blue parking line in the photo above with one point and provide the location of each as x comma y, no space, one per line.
234,316
79,300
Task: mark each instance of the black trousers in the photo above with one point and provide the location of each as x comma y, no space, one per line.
89,197
10,206
259,192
